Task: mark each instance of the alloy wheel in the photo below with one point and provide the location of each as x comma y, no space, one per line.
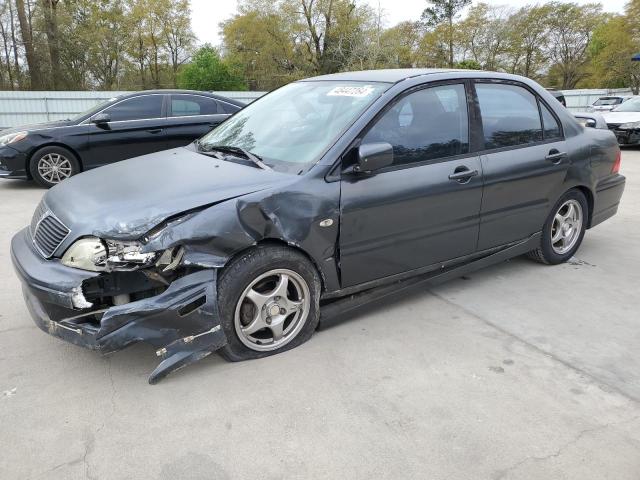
54,167
272,310
566,226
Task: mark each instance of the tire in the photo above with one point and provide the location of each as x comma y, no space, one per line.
51,165
257,274
554,247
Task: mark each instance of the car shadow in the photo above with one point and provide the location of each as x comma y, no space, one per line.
10,184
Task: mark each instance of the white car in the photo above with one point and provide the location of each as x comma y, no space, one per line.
606,104
624,121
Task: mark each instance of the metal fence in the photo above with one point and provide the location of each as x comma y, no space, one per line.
580,100
23,108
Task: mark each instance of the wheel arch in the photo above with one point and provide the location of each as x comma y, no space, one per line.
50,144
281,243
588,193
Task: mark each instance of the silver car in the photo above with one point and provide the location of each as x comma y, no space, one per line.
624,121
606,104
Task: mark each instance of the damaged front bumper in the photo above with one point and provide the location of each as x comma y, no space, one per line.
181,322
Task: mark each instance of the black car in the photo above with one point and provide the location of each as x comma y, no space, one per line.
559,96
321,195
123,127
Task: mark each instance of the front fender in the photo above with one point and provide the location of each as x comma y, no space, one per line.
296,215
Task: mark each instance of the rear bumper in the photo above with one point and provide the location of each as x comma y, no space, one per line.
182,322
607,198
12,163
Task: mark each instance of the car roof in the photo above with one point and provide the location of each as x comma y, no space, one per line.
385,75
183,92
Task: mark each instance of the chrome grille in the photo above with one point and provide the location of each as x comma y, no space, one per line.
37,215
47,231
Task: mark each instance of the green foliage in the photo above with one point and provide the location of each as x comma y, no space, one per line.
442,11
137,44
207,71
469,65
611,48
104,44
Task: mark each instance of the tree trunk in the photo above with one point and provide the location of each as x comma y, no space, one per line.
49,8
35,74
451,42
7,56
16,61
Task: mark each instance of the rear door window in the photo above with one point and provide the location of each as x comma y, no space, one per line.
510,115
188,105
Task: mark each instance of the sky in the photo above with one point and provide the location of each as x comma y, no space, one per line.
207,14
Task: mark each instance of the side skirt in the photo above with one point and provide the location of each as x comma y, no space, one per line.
340,306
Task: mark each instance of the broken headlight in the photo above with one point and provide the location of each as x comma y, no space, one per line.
97,255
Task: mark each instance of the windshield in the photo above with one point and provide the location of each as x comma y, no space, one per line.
632,105
96,107
292,127
607,101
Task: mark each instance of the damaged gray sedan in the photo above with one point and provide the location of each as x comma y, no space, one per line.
324,194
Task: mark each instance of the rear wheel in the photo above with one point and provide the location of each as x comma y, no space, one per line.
268,301
564,229
51,165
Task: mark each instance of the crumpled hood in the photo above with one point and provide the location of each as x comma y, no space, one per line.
621,117
128,198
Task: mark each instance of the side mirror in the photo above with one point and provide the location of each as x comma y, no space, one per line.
590,120
101,118
374,156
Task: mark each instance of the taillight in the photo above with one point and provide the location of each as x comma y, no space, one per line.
616,164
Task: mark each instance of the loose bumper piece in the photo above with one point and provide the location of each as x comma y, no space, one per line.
182,322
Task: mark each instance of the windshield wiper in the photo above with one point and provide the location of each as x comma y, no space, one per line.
236,151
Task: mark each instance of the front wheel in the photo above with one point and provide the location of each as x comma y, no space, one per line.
51,165
268,302
564,229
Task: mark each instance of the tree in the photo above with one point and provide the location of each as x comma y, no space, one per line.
469,65
444,12
50,12
178,35
611,49
207,71
528,40
483,34
262,41
570,29
400,45
33,65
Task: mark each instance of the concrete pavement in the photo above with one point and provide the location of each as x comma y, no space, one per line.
520,371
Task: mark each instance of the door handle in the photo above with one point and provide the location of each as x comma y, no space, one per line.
555,156
463,174
155,130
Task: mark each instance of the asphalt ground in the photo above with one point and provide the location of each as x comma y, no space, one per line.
519,371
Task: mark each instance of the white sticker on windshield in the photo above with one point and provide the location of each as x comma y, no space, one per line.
351,91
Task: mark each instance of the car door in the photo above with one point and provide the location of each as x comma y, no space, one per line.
135,126
424,209
524,163
190,117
